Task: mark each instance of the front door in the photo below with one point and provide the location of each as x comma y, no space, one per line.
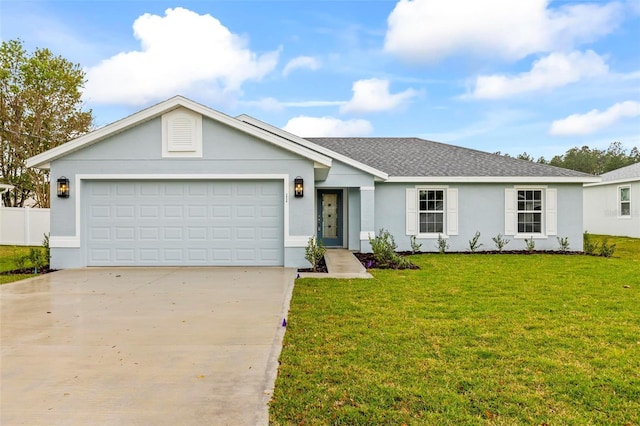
330,217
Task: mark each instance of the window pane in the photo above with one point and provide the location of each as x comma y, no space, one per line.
423,222
434,222
625,209
624,194
529,222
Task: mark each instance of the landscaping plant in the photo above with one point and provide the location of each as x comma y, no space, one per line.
607,250
314,252
474,245
588,245
564,244
531,244
500,241
442,244
415,246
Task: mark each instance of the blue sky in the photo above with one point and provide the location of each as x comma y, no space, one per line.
497,75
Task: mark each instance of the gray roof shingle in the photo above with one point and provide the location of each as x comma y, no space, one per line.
419,157
629,172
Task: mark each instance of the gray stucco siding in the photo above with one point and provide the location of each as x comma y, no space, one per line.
343,175
481,207
137,153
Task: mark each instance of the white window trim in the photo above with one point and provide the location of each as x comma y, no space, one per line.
549,221
619,207
450,212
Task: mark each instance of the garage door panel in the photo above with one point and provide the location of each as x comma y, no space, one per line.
184,223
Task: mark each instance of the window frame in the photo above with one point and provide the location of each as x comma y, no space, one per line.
442,212
620,201
533,211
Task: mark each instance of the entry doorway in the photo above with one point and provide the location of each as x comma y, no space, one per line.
330,224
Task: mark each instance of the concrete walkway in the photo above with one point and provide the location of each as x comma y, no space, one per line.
341,263
142,346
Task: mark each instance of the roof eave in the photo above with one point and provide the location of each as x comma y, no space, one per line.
493,179
614,181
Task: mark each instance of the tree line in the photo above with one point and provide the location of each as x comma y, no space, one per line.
591,160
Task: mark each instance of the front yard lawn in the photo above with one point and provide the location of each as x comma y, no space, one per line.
467,339
8,255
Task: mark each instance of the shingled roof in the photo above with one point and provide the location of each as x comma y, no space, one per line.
404,157
631,172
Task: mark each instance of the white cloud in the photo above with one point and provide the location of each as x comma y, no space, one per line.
301,62
555,70
179,51
429,30
594,120
304,126
272,104
373,95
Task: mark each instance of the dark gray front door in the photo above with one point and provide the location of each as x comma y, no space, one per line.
330,217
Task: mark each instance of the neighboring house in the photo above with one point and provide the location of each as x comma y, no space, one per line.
612,206
182,184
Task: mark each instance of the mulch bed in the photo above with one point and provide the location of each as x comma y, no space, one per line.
322,267
28,271
369,262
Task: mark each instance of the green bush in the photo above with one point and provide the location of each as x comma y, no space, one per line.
442,244
38,258
607,250
474,245
588,245
500,242
314,252
20,260
564,244
384,247
530,243
415,246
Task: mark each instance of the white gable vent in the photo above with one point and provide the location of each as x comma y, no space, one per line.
181,134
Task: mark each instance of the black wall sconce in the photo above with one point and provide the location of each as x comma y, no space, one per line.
298,187
63,187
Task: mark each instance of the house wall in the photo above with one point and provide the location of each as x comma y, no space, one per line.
481,207
226,151
601,210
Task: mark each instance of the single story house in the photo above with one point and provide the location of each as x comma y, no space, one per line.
612,206
182,184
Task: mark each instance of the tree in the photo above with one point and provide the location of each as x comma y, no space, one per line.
40,108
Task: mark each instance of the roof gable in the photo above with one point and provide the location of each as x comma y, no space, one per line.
42,160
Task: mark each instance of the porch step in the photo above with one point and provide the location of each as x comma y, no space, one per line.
341,263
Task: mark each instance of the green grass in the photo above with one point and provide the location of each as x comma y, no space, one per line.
7,262
626,248
468,339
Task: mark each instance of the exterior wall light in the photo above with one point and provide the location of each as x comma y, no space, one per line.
63,187
298,187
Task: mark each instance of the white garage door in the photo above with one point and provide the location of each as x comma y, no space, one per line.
183,223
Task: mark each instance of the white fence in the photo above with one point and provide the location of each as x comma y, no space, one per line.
23,226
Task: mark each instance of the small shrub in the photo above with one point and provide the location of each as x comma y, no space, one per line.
589,246
37,257
384,247
474,245
384,251
442,244
47,249
564,244
500,242
607,250
20,260
415,246
531,244
314,252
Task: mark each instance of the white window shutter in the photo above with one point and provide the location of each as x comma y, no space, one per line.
412,211
452,211
510,212
552,211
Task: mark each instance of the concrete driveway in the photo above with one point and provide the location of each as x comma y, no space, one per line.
145,346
